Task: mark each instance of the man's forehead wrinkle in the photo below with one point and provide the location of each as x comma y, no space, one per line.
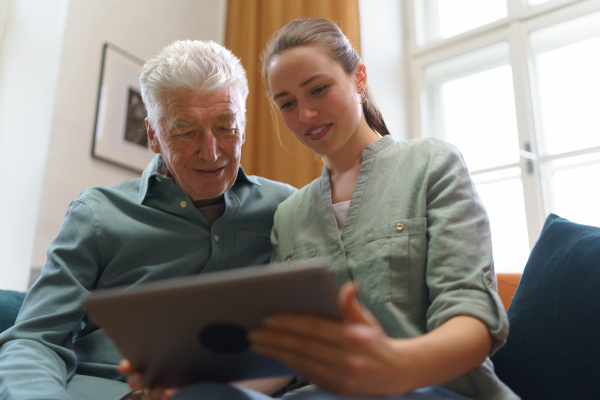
188,108
182,123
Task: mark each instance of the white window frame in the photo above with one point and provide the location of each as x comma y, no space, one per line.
514,30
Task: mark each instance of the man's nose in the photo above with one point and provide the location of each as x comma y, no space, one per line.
308,112
208,147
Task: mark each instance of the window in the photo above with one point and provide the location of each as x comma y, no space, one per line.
515,85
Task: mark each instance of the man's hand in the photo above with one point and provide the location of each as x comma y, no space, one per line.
136,382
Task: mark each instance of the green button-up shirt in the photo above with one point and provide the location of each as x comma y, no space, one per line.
123,235
416,241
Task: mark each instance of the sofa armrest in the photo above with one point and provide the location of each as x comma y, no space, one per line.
507,284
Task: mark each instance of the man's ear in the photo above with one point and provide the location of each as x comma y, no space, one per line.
152,137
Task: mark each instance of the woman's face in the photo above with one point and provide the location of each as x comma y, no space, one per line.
318,101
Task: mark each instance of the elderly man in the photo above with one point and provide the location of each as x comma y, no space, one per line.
193,210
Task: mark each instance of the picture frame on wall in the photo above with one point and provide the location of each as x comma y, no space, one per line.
120,132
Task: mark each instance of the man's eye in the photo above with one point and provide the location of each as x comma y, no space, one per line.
226,130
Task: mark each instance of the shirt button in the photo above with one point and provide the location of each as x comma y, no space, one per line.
490,283
183,204
289,259
399,226
158,179
216,238
339,250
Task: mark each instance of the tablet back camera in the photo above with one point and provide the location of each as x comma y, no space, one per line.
224,338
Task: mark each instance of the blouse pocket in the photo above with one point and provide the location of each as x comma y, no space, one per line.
395,261
300,254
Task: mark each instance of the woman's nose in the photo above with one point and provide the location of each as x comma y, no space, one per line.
307,112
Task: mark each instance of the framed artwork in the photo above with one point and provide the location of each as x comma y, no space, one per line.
120,132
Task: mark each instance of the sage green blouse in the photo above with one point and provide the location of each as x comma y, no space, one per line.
416,241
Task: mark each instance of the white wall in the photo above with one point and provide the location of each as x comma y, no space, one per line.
29,67
49,71
382,51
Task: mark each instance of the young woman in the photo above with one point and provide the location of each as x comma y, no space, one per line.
405,232
401,220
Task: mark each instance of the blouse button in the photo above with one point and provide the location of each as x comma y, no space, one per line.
399,226
158,179
183,204
490,283
216,238
339,250
289,259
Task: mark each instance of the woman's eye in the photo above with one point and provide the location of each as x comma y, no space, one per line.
319,90
285,105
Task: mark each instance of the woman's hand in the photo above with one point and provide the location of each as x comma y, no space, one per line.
357,358
354,357
136,382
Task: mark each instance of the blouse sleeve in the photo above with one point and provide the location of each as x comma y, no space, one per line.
460,272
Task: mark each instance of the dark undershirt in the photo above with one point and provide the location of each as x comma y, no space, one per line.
212,209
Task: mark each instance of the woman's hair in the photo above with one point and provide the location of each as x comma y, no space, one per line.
327,35
194,65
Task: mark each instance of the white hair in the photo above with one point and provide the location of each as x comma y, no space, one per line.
191,64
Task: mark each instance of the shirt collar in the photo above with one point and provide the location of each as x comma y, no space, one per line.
157,169
379,145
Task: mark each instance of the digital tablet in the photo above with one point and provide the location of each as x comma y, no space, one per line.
184,330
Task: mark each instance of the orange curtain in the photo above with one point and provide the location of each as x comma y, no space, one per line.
250,24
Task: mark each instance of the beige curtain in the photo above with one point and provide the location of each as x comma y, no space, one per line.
250,24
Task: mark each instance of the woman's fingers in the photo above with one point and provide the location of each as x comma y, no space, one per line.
351,308
342,356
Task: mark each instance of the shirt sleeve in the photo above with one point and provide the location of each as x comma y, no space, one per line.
460,271
275,254
36,355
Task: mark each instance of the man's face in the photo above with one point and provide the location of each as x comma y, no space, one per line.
200,138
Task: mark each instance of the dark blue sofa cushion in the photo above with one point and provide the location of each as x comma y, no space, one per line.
553,347
10,304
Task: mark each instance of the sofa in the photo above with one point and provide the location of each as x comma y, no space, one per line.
10,304
553,348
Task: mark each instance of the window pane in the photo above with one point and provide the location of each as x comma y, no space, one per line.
502,196
568,82
575,192
478,114
458,16
569,87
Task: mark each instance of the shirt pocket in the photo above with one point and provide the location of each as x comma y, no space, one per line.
251,248
395,261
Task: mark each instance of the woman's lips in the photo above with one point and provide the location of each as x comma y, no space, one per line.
316,133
